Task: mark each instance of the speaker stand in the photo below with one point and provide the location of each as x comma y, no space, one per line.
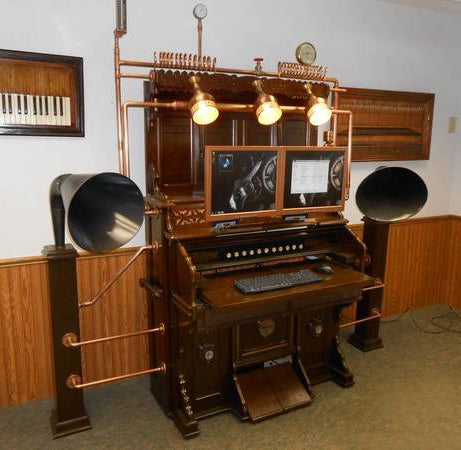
366,334
69,415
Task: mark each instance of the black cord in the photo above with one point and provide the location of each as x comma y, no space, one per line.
451,315
396,318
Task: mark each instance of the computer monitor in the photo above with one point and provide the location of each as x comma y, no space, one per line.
313,179
272,181
241,182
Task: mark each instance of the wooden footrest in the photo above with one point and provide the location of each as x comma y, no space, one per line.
272,390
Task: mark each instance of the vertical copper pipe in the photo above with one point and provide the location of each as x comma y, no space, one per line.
199,29
118,96
347,162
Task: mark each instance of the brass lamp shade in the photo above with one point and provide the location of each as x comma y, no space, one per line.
317,110
266,108
202,105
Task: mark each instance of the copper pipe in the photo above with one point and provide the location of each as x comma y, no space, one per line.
199,32
118,274
118,97
347,163
70,339
227,107
74,381
226,70
376,286
376,315
134,75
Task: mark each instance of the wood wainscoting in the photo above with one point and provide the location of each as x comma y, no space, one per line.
26,366
424,262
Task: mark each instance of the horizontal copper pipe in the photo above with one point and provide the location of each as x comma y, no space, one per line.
74,381
376,286
226,70
134,75
117,276
70,339
376,315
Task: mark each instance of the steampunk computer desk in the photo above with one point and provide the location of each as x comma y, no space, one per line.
240,190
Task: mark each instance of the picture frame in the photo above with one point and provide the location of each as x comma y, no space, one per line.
41,94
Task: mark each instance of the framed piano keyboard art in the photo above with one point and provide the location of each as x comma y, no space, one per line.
41,94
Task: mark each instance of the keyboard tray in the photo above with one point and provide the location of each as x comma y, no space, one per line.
221,295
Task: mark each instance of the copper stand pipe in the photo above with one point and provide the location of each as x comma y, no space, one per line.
376,315
74,381
118,275
199,32
118,97
70,339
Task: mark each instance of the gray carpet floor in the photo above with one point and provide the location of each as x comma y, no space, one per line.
406,396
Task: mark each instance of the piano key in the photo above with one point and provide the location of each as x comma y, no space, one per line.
14,116
9,109
21,109
25,109
31,117
48,104
41,110
2,109
53,111
57,113
67,115
52,115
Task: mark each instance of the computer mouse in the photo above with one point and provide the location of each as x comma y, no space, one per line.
324,268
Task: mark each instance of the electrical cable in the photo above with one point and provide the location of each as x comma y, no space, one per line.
451,315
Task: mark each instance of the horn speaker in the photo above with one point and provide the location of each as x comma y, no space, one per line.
387,195
104,211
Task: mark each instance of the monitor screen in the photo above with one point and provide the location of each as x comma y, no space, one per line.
243,181
272,181
313,179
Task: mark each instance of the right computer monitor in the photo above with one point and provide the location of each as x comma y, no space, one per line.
313,179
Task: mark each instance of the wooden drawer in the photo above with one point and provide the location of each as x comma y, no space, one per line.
260,338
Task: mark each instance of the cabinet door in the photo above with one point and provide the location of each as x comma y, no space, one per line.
255,134
295,130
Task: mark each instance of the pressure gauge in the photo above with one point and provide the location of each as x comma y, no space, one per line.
200,11
306,53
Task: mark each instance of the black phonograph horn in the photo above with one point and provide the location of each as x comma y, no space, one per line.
104,211
387,195
391,194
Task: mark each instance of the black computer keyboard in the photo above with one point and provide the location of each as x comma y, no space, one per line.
276,281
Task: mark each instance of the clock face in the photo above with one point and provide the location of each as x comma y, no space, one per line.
306,54
200,11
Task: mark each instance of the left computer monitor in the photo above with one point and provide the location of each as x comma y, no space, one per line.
241,182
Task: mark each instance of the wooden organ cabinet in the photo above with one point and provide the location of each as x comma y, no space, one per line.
257,355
